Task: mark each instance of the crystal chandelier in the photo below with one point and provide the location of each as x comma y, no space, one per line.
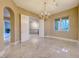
44,13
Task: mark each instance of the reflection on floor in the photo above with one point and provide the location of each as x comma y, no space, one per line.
43,48
7,38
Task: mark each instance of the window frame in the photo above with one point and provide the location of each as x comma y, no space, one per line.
61,30
55,25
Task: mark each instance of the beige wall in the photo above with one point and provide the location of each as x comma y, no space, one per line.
78,22
25,12
17,11
3,4
73,17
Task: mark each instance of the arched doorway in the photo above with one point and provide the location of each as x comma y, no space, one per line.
8,26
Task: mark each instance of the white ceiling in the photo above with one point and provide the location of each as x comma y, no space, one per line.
36,6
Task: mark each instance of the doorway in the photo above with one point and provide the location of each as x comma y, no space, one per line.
31,27
34,26
8,26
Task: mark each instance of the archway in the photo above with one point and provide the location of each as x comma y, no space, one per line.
8,26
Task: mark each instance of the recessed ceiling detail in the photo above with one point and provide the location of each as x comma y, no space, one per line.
36,5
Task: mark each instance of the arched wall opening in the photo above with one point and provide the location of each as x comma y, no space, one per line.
8,25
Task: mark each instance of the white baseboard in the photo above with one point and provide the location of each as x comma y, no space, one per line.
61,38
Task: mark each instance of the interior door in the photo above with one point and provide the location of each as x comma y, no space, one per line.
24,28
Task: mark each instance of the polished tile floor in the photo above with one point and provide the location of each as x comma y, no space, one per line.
43,48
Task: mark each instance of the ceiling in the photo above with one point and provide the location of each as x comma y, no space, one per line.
36,6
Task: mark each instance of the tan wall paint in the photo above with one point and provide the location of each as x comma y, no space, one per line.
26,12
1,31
73,33
3,4
47,27
17,11
78,22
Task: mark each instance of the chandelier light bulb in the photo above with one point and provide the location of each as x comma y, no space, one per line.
45,13
41,13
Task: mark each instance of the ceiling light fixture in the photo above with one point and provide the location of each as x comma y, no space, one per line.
44,13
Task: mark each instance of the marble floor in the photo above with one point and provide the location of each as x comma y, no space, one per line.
43,48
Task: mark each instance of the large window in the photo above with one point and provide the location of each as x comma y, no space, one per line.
62,24
57,24
65,24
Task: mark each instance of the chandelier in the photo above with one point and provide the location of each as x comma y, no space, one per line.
44,13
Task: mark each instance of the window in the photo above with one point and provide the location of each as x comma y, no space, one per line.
65,24
7,26
57,24
62,24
